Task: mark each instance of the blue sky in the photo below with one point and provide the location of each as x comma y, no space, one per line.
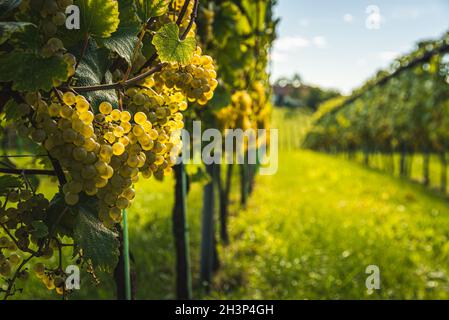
330,44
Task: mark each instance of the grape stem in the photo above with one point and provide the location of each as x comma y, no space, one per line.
120,85
15,240
8,291
192,20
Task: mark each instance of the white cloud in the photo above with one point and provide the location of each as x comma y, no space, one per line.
291,43
320,42
388,55
294,43
348,18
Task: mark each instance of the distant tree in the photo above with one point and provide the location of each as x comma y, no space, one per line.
293,92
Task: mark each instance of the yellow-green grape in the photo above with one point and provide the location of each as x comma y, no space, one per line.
138,130
87,117
54,109
140,118
106,151
88,172
102,168
39,268
124,140
115,214
153,134
109,137
125,116
118,148
69,98
129,193
79,154
122,203
69,135
49,283
133,160
75,187
71,198
66,112
115,115
105,108
147,126
126,127
82,105
119,131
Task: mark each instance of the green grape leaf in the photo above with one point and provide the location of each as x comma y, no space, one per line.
128,12
170,48
7,6
123,41
60,218
91,71
152,8
7,29
30,72
10,110
99,18
8,182
40,229
99,244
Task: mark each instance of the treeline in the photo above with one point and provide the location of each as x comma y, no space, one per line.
294,93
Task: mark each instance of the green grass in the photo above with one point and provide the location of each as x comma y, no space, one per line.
311,230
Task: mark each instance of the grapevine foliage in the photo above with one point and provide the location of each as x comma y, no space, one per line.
402,109
104,104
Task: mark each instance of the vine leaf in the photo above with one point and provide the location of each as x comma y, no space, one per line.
7,6
99,18
9,182
152,8
91,71
7,29
123,41
170,48
10,110
40,229
99,244
30,72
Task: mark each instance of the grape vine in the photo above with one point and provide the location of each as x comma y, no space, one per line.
106,104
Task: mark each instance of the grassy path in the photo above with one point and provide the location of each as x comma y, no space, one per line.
308,233
311,230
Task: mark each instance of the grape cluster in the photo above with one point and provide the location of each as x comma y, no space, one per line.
52,13
25,211
51,278
104,153
197,81
242,106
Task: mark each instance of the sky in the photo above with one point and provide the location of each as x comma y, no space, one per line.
341,43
